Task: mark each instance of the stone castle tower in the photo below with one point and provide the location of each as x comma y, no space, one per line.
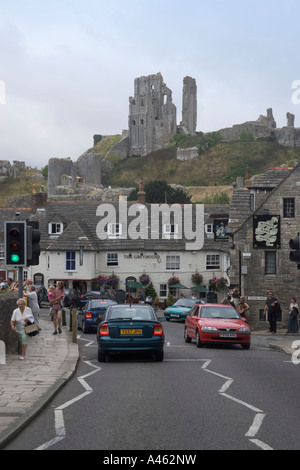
152,114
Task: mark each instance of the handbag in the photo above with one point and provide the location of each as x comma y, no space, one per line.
31,329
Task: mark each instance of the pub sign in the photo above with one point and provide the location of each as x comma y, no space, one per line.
266,231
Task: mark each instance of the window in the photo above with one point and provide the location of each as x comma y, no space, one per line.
170,230
172,262
162,290
270,262
209,228
112,259
289,207
70,261
114,230
55,228
213,262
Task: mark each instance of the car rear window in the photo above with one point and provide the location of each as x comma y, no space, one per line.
218,312
141,313
101,303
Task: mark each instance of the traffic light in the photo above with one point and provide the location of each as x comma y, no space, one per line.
33,243
295,245
15,243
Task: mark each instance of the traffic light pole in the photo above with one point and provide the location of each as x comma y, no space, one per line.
20,283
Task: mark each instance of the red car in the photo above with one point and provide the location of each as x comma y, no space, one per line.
216,323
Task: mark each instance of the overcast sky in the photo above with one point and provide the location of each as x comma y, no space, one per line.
67,67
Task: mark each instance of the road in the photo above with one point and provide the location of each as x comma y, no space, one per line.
211,398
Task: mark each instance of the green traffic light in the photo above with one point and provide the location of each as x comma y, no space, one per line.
15,258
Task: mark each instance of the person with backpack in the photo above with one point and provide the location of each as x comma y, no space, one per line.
272,307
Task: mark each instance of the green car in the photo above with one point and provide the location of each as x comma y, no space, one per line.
180,309
130,329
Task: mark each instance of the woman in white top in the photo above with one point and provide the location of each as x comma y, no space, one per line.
20,317
33,303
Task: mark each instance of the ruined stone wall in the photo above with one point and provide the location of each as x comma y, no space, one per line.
189,105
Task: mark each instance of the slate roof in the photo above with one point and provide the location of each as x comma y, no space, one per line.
80,221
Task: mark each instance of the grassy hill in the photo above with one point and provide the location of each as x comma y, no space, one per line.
212,171
219,165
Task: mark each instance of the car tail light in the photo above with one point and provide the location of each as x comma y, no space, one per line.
158,330
88,314
103,331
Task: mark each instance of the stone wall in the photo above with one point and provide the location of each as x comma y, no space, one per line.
8,303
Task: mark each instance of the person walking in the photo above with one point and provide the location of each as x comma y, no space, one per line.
242,307
20,317
293,317
33,303
57,306
272,307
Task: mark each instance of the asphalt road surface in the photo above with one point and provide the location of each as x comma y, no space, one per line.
213,398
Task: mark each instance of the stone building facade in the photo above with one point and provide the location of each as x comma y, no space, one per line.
264,215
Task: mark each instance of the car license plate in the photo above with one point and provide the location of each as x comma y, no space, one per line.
100,315
174,315
228,335
131,332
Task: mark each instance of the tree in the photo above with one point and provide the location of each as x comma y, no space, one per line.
159,192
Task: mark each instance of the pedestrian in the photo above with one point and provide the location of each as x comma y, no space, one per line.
242,307
57,306
293,316
20,317
33,303
272,307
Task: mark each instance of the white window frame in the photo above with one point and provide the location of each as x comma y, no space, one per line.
2,250
172,264
71,260
114,230
163,291
55,228
112,259
213,262
170,230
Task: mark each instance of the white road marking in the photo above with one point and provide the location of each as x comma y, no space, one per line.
58,411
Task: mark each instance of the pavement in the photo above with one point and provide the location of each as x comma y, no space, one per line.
27,386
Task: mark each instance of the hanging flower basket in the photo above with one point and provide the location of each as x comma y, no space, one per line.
144,279
101,280
173,280
197,279
113,281
235,292
217,283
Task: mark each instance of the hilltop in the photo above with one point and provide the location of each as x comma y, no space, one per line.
218,165
214,170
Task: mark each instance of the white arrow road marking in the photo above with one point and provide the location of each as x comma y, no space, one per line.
58,412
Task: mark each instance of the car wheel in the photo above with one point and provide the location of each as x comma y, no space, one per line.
101,356
198,342
159,356
167,319
187,339
246,346
84,328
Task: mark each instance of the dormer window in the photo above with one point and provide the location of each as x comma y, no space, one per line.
170,230
55,228
114,230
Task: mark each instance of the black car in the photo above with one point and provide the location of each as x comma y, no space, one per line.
93,294
72,298
92,313
42,295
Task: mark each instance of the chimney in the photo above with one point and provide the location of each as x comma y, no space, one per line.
38,200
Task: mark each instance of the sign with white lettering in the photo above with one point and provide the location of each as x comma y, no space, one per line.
266,231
